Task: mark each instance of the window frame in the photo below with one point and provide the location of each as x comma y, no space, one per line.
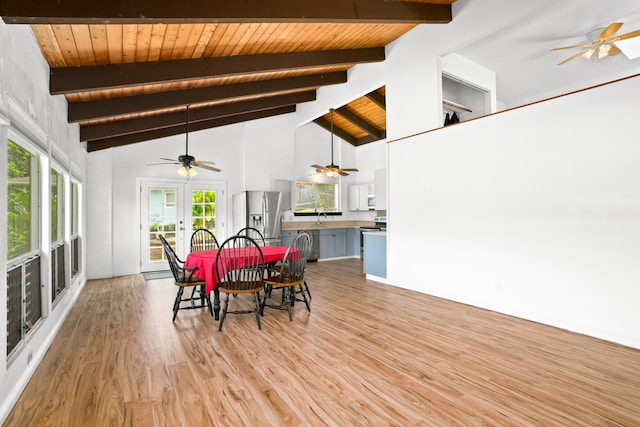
316,211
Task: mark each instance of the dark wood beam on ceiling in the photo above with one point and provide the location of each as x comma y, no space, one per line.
101,77
143,124
337,131
221,11
365,140
119,141
361,123
91,110
378,99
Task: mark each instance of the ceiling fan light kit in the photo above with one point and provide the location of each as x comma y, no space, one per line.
333,170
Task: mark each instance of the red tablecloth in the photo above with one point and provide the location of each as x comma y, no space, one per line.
206,262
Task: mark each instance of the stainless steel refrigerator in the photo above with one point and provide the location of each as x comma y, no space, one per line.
261,210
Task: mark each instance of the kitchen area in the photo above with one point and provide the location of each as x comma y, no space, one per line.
359,231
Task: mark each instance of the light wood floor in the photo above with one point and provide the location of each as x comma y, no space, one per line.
367,354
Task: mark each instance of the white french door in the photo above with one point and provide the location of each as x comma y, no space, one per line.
173,209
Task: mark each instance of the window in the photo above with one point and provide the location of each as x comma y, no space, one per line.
24,302
75,230
313,197
58,276
57,206
203,210
163,217
22,204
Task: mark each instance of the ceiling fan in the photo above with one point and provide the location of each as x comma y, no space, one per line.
333,170
188,162
600,40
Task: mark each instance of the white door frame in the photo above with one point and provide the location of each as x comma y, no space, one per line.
184,188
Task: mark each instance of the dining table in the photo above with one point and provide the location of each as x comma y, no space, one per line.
205,262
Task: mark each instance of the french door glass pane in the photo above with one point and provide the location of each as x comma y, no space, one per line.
162,221
203,210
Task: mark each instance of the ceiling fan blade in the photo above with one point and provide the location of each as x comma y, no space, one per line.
202,162
571,47
319,167
341,172
350,169
614,51
573,57
164,163
626,36
170,160
609,31
211,168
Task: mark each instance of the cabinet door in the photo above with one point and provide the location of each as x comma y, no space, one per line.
358,197
354,198
326,244
288,236
340,242
353,242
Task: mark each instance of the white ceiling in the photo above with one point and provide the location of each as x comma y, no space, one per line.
514,38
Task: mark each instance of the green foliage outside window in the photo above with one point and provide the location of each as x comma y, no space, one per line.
203,210
19,200
316,197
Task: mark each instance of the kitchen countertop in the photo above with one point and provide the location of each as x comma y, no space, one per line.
376,232
324,224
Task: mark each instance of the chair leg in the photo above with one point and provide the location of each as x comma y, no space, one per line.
288,300
176,303
304,296
267,293
224,311
306,288
208,297
256,307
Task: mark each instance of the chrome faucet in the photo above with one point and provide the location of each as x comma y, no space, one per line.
325,217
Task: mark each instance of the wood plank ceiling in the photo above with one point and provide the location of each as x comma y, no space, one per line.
130,68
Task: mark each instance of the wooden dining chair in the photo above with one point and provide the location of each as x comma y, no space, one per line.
184,277
254,233
240,270
303,290
203,239
290,276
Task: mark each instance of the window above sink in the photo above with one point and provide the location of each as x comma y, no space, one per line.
312,198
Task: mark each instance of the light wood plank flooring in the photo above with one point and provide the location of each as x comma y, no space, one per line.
367,354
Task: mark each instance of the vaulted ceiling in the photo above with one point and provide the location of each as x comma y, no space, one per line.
130,68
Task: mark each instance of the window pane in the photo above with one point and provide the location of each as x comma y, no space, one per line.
21,199
74,208
316,197
57,206
203,210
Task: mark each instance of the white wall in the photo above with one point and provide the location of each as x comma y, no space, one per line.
533,212
29,113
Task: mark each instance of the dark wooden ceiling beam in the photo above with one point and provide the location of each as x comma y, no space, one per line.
143,124
361,123
102,77
378,99
365,140
199,11
119,141
91,110
337,131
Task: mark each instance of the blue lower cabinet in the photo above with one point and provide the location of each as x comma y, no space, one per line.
288,236
353,242
333,243
375,254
